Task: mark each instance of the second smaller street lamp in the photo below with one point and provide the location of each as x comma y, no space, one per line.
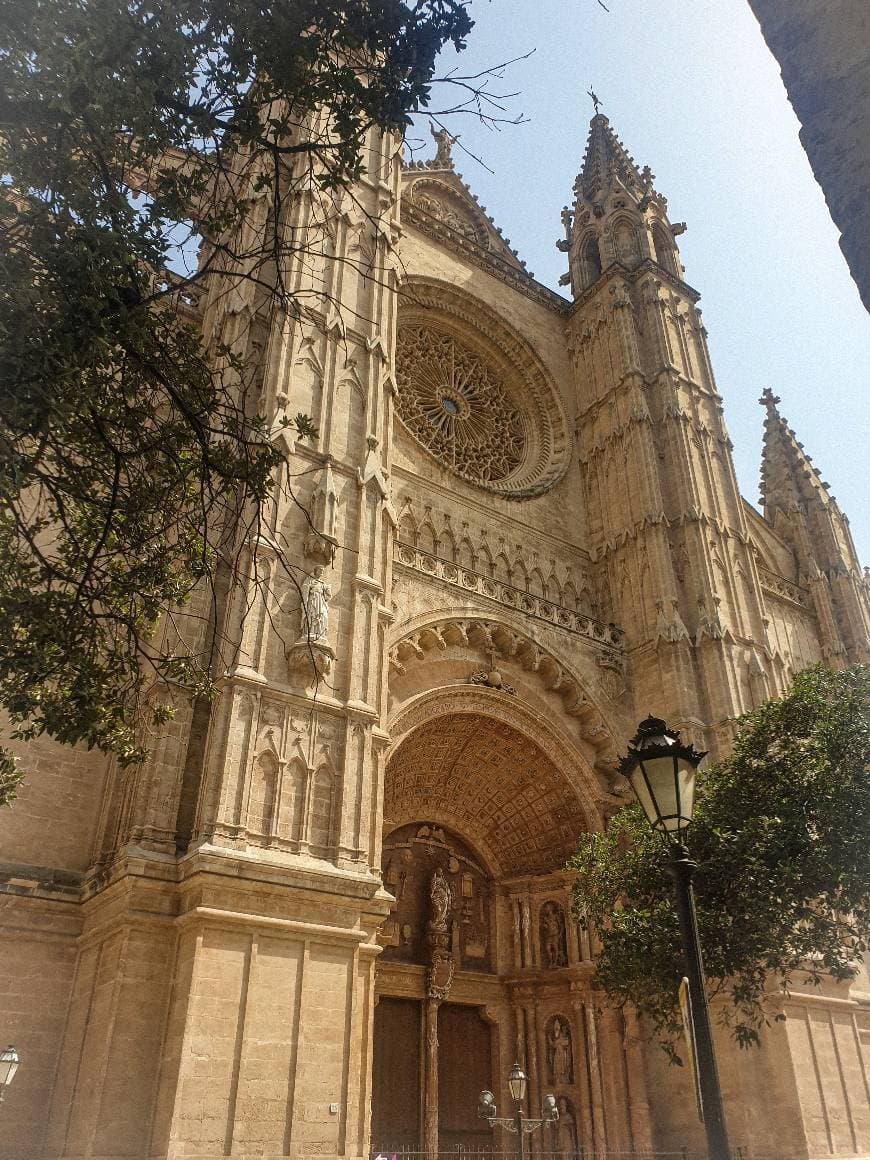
519,1122
661,770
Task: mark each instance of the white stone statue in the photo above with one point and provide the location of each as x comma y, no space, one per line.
441,897
316,594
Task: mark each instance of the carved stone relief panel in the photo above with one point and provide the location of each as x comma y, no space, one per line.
438,885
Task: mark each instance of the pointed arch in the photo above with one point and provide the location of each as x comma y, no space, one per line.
293,799
407,530
427,537
519,574
590,260
625,241
465,554
663,244
501,569
569,596
262,795
321,811
536,584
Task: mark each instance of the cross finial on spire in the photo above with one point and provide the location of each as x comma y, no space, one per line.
595,101
768,398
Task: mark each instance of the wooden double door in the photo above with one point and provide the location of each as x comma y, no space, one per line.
403,1091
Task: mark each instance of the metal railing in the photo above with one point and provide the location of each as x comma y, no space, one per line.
492,1152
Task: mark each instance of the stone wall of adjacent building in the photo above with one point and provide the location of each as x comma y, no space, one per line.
822,50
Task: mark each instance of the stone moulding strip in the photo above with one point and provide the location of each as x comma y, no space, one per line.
606,636
310,930
781,589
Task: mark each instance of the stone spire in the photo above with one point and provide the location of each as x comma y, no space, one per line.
617,219
607,162
791,483
798,503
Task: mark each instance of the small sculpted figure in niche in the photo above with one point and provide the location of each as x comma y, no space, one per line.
552,933
566,1129
441,897
316,594
559,1052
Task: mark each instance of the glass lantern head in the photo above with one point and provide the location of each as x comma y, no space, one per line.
517,1081
8,1066
661,771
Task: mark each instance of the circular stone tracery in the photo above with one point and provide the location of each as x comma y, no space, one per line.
457,406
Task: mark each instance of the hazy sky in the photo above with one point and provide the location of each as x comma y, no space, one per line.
692,91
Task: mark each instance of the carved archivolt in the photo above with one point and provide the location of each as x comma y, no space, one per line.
485,636
577,780
475,395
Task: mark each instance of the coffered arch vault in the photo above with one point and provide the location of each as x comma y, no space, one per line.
493,770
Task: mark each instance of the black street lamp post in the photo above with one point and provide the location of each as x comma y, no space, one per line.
661,771
519,1122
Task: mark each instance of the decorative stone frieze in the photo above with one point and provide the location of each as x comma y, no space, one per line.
607,635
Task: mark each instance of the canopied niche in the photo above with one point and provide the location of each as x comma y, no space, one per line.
412,856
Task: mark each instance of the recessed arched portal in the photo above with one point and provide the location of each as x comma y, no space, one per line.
481,966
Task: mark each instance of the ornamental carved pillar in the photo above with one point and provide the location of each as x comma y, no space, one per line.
638,1101
430,1077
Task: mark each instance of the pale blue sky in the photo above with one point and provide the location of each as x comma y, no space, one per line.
692,91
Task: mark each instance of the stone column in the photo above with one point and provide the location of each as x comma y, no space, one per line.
638,1103
613,1071
430,1078
582,1077
595,1086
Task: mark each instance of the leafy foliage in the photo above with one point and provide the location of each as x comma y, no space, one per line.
133,457
783,879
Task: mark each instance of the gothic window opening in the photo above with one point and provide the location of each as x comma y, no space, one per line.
664,249
590,261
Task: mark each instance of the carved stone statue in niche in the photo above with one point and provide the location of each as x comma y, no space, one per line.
312,654
554,947
442,897
560,1055
566,1128
316,594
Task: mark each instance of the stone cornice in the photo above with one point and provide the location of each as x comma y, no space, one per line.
648,266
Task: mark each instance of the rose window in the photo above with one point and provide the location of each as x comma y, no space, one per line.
457,406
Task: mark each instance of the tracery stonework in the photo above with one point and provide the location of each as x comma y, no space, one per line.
457,406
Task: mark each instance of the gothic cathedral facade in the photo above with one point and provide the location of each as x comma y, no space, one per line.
332,905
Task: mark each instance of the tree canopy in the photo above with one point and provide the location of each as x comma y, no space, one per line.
133,132
783,878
